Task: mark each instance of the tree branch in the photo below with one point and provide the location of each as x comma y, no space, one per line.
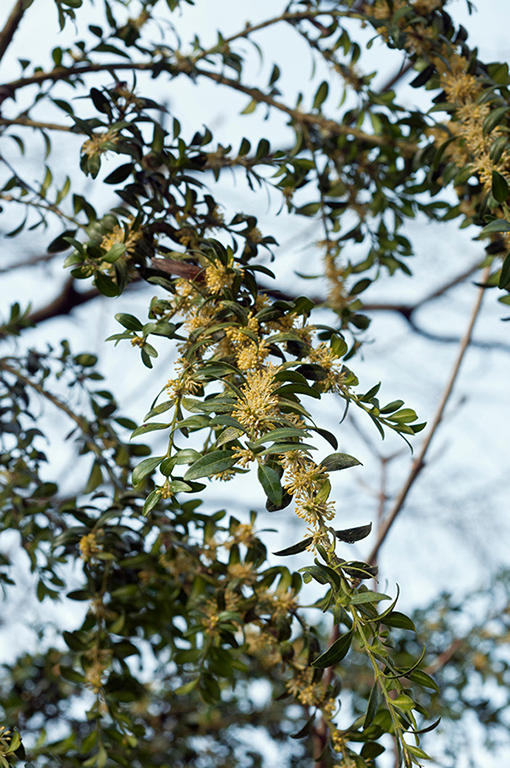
307,118
12,24
36,124
66,301
418,462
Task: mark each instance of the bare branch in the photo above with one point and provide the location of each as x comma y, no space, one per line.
418,462
36,124
66,301
12,24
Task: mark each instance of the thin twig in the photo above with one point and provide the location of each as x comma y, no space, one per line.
307,118
418,462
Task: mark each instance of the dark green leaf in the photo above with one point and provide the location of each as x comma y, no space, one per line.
120,174
504,278
374,702
211,464
335,652
60,244
499,187
145,468
336,461
350,535
295,549
107,286
270,482
129,321
399,620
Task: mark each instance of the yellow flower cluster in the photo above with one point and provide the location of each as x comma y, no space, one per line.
302,687
335,275
97,144
305,481
100,661
243,534
119,235
218,277
259,408
324,356
249,354
243,571
184,383
89,547
262,645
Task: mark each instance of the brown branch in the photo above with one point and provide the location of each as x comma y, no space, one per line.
36,124
65,302
79,420
404,69
12,24
307,118
7,90
65,73
418,462
445,656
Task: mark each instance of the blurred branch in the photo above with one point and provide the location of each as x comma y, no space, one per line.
36,124
41,258
407,311
12,24
68,299
418,462
445,656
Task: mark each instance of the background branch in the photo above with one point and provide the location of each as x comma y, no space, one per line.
418,462
12,24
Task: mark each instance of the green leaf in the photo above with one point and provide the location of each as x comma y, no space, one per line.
270,482
336,461
296,389
59,243
141,430
321,95
107,286
504,278
335,652
280,433
498,225
151,501
424,679
404,416
417,752
374,702
403,702
295,549
145,468
119,174
499,187
399,620
211,464
130,322
350,535
367,596
187,687
95,478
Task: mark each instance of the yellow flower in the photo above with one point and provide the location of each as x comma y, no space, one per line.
96,144
259,407
88,547
244,456
218,277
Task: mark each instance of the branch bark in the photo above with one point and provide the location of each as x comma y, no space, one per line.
12,24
